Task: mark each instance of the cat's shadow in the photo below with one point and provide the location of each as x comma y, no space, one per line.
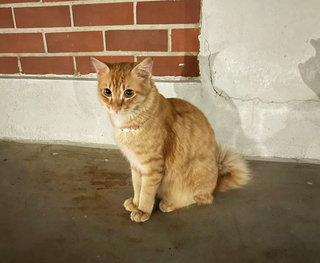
310,69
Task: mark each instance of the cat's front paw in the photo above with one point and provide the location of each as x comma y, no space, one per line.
129,205
139,216
165,207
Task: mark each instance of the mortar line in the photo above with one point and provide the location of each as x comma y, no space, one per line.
44,42
102,53
104,40
71,16
98,28
75,70
66,3
14,18
169,40
19,65
135,12
92,77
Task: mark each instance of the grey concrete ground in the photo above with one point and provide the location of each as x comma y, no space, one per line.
64,204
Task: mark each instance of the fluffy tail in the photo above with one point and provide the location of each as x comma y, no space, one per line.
233,169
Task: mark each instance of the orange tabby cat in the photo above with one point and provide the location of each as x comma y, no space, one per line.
169,143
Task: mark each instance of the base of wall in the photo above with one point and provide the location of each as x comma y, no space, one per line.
68,111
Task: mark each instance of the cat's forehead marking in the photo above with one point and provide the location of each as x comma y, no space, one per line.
118,79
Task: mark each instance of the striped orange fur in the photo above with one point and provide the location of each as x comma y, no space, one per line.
169,143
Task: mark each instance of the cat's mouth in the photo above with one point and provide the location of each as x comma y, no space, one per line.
118,112
123,111
114,112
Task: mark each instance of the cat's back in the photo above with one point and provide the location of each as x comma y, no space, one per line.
189,123
191,132
185,109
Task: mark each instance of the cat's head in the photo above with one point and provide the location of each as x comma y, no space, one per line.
124,87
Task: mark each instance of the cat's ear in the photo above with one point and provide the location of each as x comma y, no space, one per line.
144,68
99,66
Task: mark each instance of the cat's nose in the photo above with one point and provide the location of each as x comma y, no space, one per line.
116,108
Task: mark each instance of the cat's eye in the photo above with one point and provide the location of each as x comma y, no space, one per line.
107,92
128,93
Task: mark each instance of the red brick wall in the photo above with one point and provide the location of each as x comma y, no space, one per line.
59,36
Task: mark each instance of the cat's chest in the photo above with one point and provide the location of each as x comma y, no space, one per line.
131,155
127,136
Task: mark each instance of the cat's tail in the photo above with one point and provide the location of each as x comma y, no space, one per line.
233,169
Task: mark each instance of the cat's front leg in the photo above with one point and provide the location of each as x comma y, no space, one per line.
131,204
149,186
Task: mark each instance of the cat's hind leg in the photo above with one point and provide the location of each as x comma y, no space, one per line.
169,206
166,207
205,181
174,193
204,199
196,187
173,200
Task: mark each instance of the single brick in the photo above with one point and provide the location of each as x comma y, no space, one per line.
6,19
186,66
84,65
168,12
137,40
49,16
185,40
21,43
75,41
17,1
9,65
47,65
103,14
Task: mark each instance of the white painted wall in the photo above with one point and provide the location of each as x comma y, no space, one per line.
64,110
52,109
263,57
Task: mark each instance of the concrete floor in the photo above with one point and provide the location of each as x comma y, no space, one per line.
64,204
